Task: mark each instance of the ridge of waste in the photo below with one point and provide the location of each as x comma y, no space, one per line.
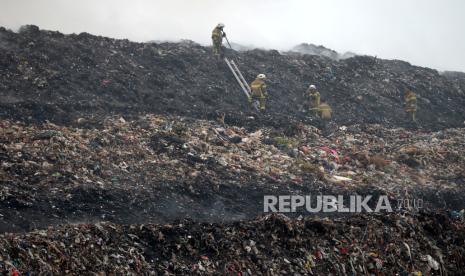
50,76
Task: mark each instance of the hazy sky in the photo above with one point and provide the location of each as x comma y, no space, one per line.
424,32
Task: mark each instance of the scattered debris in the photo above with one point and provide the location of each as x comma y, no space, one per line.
272,245
96,178
136,170
103,76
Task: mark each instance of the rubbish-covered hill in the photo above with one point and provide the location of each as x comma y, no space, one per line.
157,169
422,244
66,158
50,76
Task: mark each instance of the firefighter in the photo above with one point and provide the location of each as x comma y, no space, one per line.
258,91
411,105
313,99
217,38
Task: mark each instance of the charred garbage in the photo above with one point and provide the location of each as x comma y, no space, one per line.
50,76
272,245
144,159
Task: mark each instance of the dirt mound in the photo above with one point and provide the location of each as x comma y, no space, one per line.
50,76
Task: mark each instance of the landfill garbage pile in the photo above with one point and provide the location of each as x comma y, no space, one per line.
124,158
420,244
158,168
457,78
46,75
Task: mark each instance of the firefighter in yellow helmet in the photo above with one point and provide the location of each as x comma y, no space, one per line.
258,91
217,38
313,99
411,105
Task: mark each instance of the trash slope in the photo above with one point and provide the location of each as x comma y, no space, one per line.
50,76
157,168
271,245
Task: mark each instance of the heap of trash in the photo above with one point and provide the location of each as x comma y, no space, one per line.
124,158
157,168
421,244
47,75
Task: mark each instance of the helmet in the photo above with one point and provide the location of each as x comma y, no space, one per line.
220,25
261,76
312,87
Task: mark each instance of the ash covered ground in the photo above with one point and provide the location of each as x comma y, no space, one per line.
143,158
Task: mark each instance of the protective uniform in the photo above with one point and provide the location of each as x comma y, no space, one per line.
411,104
217,38
325,111
258,92
313,100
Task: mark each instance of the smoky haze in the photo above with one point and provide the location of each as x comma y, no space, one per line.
424,32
